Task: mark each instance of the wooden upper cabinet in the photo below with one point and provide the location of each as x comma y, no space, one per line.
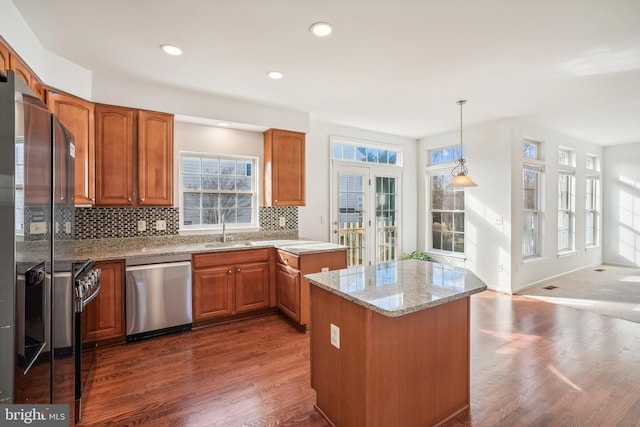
115,155
77,115
4,59
155,159
284,168
22,71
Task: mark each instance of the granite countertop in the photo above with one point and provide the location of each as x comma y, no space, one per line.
128,248
397,288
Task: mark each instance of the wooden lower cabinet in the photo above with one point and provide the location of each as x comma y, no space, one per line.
103,319
288,291
292,291
231,283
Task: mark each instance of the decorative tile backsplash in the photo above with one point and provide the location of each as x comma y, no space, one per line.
105,223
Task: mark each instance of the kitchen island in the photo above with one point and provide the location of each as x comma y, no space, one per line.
390,343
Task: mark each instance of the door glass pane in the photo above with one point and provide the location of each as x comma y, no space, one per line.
386,219
351,216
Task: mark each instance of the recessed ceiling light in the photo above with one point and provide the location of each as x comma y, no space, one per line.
223,124
321,29
276,75
171,50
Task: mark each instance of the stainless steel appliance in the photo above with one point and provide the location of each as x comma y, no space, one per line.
87,287
36,220
158,296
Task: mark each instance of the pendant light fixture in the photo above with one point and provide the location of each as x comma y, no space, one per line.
459,172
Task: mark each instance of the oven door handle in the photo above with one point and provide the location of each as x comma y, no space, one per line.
34,358
93,295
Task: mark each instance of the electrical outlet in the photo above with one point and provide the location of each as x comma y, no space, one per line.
67,227
500,268
335,336
324,269
499,220
282,221
142,225
161,225
38,228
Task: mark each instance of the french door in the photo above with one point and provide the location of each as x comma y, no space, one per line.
366,213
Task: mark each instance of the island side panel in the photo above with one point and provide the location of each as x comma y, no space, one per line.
338,375
419,362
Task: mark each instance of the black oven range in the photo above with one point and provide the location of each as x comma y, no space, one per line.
87,288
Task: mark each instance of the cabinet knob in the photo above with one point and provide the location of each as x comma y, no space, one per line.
229,272
238,269
93,199
129,199
61,197
142,200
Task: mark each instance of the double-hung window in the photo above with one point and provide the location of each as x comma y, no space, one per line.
447,215
592,203
566,212
217,189
532,176
447,204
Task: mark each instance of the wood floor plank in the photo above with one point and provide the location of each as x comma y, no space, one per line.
532,364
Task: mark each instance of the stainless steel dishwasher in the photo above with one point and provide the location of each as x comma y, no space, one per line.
158,296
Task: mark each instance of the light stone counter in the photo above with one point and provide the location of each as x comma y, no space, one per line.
391,343
128,248
397,288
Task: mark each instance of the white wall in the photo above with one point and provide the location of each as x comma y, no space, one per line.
494,157
526,274
211,139
621,216
487,244
121,90
318,180
50,68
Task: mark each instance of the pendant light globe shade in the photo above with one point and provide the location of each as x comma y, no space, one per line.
462,181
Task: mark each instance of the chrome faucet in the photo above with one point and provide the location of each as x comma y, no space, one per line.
224,230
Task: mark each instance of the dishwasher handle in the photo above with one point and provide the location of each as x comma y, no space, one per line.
161,265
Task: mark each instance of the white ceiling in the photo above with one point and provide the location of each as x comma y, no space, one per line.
394,66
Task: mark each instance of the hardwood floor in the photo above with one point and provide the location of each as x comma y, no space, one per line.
532,364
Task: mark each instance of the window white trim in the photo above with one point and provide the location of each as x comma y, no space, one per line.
217,227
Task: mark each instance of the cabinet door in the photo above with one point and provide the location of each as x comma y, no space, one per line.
103,318
284,158
213,292
78,116
252,286
115,155
21,70
4,59
155,159
288,291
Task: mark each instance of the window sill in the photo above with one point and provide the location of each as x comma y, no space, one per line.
591,248
565,254
533,260
447,256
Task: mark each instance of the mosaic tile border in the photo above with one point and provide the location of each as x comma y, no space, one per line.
119,222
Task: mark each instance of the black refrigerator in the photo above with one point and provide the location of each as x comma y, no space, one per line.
36,236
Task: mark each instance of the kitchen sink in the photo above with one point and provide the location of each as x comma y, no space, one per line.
229,245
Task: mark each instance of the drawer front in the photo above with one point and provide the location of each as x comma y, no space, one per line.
289,259
213,259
